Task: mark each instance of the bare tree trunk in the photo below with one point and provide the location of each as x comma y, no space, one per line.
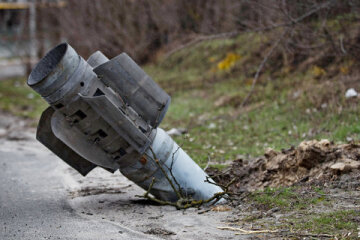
32,37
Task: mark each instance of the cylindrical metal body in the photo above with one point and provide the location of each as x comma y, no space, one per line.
96,59
190,178
114,128
138,90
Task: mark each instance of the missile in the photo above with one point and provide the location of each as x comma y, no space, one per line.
105,113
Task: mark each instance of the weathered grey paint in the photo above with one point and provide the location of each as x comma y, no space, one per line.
96,59
105,113
46,136
136,87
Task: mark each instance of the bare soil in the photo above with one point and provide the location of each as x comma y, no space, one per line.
322,163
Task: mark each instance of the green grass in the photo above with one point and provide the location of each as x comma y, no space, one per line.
19,99
332,221
304,212
285,198
335,223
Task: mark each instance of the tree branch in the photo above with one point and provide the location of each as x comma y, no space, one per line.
237,32
183,201
261,66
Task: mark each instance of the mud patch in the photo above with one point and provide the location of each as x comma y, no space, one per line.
316,162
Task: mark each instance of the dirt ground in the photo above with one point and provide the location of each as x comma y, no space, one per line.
310,184
322,163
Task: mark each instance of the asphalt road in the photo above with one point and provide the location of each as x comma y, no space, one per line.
33,200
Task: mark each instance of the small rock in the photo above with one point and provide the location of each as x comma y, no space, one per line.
324,142
212,126
270,153
352,164
176,131
296,94
30,96
351,93
3,132
338,166
345,166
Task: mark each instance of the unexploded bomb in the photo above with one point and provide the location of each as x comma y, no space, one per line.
106,113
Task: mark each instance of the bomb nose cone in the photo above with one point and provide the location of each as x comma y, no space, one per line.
54,69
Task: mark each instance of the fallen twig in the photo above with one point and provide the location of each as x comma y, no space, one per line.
287,233
314,235
295,234
243,231
177,191
183,201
